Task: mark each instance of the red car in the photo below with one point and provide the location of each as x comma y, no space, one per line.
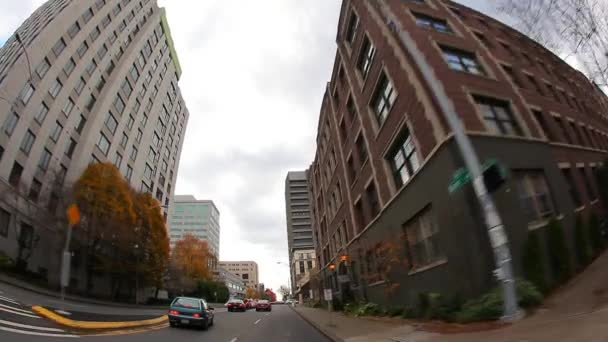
263,305
236,305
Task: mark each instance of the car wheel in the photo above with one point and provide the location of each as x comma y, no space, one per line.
205,325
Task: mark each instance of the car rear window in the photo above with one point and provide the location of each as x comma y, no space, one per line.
187,303
236,301
263,301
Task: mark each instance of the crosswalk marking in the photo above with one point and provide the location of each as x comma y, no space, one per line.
24,332
18,313
10,300
26,326
12,308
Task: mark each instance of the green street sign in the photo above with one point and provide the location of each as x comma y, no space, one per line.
462,175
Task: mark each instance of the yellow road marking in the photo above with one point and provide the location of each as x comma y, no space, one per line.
95,325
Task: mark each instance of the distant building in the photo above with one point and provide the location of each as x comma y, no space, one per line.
247,270
197,217
299,230
235,284
302,263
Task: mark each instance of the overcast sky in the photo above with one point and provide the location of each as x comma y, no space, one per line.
254,73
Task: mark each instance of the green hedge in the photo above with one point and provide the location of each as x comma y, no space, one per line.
559,255
582,242
533,261
595,234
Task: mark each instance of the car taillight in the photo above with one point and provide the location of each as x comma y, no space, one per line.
196,315
173,312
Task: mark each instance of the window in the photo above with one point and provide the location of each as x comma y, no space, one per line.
403,159
119,105
156,140
117,160
577,134
497,116
87,15
148,172
141,59
434,23
562,127
101,82
67,108
423,239
35,190
372,200
56,131
361,149
535,84
90,102
111,123
553,92
11,123
100,3
130,122
483,40
352,173
126,87
116,10
543,125
507,47
122,26
69,151
102,51
5,220
129,172
91,67
43,67
110,67
534,195
95,34
574,194
45,159
82,121
134,73
82,49
80,86
55,88
74,29
124,140
26,93
27,142
512,76
103,144
383,99
138,136
462,61
106,21
113,38
15,177
590,189
59,47
366,56
136,106
351,31
41,115
151,155
133,152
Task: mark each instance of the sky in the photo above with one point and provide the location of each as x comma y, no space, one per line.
254,74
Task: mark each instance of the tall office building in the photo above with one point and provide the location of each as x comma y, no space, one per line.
299,231
385,218
247,270
103,87
197,217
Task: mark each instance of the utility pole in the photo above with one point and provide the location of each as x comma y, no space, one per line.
496,231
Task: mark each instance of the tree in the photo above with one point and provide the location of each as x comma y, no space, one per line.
212,291
284,291
250,292
577,28
189,262
270,295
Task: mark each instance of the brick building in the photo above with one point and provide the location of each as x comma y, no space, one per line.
385,154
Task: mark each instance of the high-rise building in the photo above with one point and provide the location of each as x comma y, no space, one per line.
387,224
247,270
82,82
197,217
299,231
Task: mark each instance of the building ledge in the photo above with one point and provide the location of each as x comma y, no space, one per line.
428,267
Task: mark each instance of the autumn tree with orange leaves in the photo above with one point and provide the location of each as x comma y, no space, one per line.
189,263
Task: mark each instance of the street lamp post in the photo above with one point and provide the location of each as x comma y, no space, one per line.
288,278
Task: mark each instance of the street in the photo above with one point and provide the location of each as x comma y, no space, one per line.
18,323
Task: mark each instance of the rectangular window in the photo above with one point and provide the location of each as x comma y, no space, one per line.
67,108
462,61
100,3
156,141
111,123
133,152
90,103
577,134
103,144
43,67
359,216
69,151
366,56
148,172
110,67
509,71
403,159
91,67
103,50
106,21
5,221
130,122
45,159
497,116
126,87
572,189
351,31
372,200
543,125
436,24
82,49
119,105
26,93
124,140
55,88
74,29
383,99
59,47
423,239
35,190
117,160
27,142
95,34
82,121
590,189
79,86
87,15
483,40
535,84
101,82
534,195
352,173
11,123
113,38
361,149
560,124
56,131
134,73
15,177
152,155
41,115
129,172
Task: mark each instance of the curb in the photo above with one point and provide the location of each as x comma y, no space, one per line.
318,327
95,325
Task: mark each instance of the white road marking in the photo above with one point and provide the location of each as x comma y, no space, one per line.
33,327
10,300
18,313
267,314
12,308
36,333
258,321
234,339
63,312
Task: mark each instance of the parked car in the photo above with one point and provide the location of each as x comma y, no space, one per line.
263,305
190,311
248,304
236,305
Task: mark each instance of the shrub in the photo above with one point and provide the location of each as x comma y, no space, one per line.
408,312
595,234
533,262
394,311
527,294
582,244
423,304
558,251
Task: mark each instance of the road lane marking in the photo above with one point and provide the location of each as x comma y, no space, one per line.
234,339
33,327
12,308
18,313
258,321
267,314
36,333
10,300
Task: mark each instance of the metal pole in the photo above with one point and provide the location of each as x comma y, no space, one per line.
496,232
66,263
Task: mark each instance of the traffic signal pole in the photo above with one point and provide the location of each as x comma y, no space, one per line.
495,228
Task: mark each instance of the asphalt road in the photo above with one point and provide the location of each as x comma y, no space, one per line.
19,324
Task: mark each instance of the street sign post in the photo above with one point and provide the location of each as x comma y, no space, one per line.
73,215
462,176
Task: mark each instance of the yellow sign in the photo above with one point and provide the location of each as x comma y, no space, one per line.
73,214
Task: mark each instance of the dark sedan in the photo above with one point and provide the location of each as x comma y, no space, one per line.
236,305
190,311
